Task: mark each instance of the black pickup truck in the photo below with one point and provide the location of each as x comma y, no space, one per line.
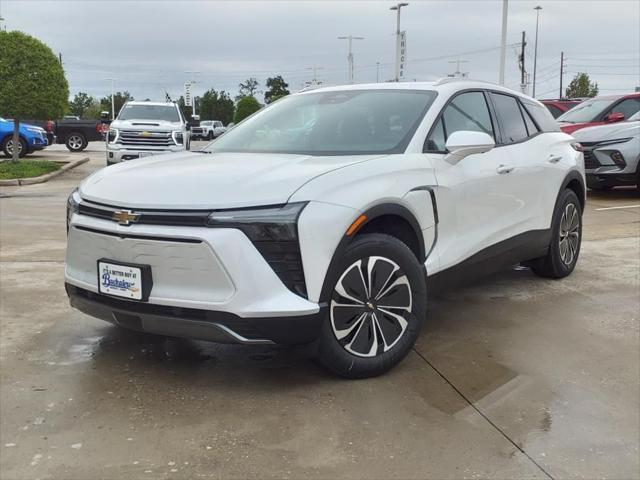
76,134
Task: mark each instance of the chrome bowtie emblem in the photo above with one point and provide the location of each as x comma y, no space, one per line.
125,217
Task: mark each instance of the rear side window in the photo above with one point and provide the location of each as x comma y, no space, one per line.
541,116
510,118
467,111
531,126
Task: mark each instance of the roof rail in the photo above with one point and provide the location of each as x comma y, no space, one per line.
445,80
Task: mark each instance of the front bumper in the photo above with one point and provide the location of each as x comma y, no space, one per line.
610,179
213,326
206,283
117,155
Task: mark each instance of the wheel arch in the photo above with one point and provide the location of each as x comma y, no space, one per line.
575,182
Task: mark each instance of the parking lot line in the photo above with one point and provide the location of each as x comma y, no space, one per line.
618,208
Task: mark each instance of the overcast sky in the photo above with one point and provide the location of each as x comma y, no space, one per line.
148,45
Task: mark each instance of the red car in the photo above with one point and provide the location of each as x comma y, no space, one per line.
600,111
558,107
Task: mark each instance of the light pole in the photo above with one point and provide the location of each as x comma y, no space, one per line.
350,56
535,51
193,82
397,8
315,80
503,42
113,105
377,72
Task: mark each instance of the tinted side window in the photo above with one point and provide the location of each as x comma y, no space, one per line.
628,107
541,116
467,111
510,118
531,126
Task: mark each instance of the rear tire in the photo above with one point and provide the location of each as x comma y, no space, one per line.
76,142
377,303
566,237
7,147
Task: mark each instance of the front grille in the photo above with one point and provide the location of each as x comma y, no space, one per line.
283,256
138,138
285,260
196,131
590,160
185,218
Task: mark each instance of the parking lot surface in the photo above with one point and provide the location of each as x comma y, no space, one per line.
512,377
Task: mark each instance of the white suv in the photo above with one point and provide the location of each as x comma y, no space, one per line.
146,128
326,218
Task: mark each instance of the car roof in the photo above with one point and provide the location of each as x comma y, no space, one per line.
446,86
159,104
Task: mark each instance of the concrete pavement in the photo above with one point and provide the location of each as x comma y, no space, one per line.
513,377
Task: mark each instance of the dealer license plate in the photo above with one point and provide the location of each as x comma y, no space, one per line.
120,280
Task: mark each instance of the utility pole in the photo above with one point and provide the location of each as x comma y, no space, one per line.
113,105
561,73
523,71
60,58
315,81
350,56
503,41
458,73
397,8
535,54
377,72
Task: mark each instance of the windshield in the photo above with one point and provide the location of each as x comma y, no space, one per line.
331,123
586,111
206,124
168,113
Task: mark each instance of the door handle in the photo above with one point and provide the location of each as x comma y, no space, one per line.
503,169
554,158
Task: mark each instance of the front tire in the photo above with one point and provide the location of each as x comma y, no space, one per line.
76,142
7,147
377,303
566,238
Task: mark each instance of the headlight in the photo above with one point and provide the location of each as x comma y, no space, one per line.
271,223
112,135
177,137
73,206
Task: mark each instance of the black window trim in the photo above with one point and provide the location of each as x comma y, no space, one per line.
494,125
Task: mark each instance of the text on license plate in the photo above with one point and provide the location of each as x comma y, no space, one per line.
120,280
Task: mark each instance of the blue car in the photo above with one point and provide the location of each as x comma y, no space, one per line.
32,138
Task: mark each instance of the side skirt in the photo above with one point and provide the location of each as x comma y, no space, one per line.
503,255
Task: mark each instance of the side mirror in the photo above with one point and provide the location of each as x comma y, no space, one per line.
614,117
463,143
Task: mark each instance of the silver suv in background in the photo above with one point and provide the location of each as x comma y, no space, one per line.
612,154
146,128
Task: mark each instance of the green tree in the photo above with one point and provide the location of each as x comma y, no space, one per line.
277,89
245,107
80,103
119,99
581,86
248,88
32,81
216,106
93,111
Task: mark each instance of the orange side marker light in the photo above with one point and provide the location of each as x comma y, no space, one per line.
355,225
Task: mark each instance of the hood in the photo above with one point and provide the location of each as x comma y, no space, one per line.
572,127
611,131
148,125
190,180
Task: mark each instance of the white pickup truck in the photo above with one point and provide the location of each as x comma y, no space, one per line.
208,129
146,128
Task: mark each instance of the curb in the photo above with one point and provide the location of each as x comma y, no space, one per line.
43,178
